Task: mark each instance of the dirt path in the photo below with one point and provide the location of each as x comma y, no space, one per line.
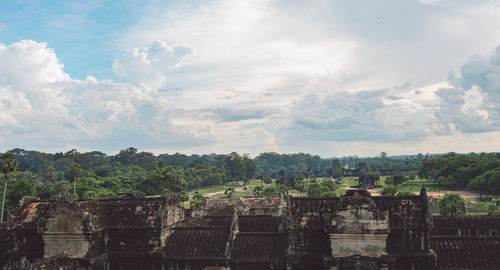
222,192
470,196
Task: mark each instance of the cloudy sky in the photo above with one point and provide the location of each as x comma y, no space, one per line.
333,78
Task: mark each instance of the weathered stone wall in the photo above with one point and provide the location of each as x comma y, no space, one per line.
66,230
356,230
6,243
358,225
122,233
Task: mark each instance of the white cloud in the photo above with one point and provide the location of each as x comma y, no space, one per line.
149,65
358,116
269,75
430,2
295,47
28,63
248,46
42,107
471,103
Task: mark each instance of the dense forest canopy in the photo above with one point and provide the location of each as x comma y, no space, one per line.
98,175
479,172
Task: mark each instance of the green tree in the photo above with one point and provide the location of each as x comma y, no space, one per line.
282,172
481,184
165,192
21,185
338,173
183,196
399,179
270,191
235,166
8,164
61,186
197,200
257,190
314,190
389,190
51,176
327,193
452,204
301,186
105,193
163,178
90,195
75,171
329,184
412,175
283,190
494,207
267,179
250,167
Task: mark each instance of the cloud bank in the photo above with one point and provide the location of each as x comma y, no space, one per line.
42,107
326,77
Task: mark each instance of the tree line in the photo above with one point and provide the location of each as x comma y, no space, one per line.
480,172
96,175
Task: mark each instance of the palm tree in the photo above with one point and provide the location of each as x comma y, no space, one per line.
75,171
197,200
452,205
8,164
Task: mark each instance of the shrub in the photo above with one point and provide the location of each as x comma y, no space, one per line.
389,190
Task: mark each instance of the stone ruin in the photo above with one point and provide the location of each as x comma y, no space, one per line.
356,231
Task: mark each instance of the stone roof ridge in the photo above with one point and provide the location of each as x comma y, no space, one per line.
259,247
125,199
465,252
473,222
32,200
233,231
216,219
226,211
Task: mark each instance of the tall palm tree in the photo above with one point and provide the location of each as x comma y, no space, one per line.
8,164
75,171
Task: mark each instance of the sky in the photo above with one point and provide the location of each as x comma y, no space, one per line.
333,78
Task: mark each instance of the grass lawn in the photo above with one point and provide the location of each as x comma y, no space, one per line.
207,190
235,185
339,191
482,206
238,193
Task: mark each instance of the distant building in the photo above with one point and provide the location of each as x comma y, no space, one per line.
368,179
